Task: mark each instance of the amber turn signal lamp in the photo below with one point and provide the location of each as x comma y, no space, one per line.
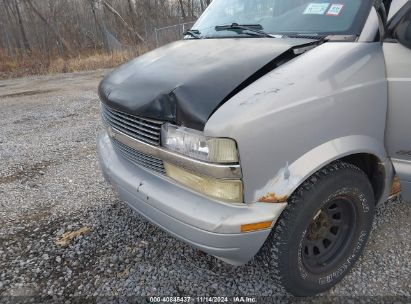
256,226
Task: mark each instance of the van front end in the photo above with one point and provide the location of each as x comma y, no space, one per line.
198,202
264,125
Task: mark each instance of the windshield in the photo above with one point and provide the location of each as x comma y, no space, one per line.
284,17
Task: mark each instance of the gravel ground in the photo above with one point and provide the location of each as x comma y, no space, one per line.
50,184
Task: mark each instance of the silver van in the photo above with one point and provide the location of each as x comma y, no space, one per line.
274,127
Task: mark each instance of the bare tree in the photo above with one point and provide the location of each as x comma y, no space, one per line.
125,24
70,27
13,32
51,27
183,13
26,43
133,13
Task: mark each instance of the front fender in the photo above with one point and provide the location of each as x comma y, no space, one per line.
323,105
291,176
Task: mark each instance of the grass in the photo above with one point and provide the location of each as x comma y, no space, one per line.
39,64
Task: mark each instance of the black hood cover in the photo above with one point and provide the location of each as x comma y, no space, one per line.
186,81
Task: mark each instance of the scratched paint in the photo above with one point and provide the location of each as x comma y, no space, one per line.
279,188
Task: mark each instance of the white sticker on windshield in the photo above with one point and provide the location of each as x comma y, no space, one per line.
335,9
316,8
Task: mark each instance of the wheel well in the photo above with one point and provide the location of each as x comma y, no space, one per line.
370,164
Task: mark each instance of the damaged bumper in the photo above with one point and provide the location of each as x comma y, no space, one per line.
206,224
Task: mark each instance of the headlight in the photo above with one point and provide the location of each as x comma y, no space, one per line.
194,144
221,189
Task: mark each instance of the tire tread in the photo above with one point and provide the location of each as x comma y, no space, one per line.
276,242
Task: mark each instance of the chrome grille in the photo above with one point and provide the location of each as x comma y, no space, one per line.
139,158
144,129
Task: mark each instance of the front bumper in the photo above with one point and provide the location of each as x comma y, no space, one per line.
211,226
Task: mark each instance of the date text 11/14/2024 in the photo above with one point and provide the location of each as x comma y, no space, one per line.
203,299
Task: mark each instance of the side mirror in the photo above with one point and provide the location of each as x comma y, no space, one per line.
403,33
399,26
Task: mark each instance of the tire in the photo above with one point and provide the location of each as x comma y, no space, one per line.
340,195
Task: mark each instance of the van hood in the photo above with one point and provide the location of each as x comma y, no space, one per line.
186,81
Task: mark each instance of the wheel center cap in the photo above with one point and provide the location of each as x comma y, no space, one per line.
319,226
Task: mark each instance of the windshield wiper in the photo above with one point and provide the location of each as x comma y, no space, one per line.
193,33
254,28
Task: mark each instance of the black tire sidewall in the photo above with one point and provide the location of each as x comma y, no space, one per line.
344,182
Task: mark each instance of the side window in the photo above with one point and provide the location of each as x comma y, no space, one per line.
402,31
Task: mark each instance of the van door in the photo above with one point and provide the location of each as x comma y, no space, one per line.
397,52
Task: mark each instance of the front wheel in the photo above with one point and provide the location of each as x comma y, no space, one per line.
323,230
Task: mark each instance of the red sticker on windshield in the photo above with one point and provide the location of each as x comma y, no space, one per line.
335,10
